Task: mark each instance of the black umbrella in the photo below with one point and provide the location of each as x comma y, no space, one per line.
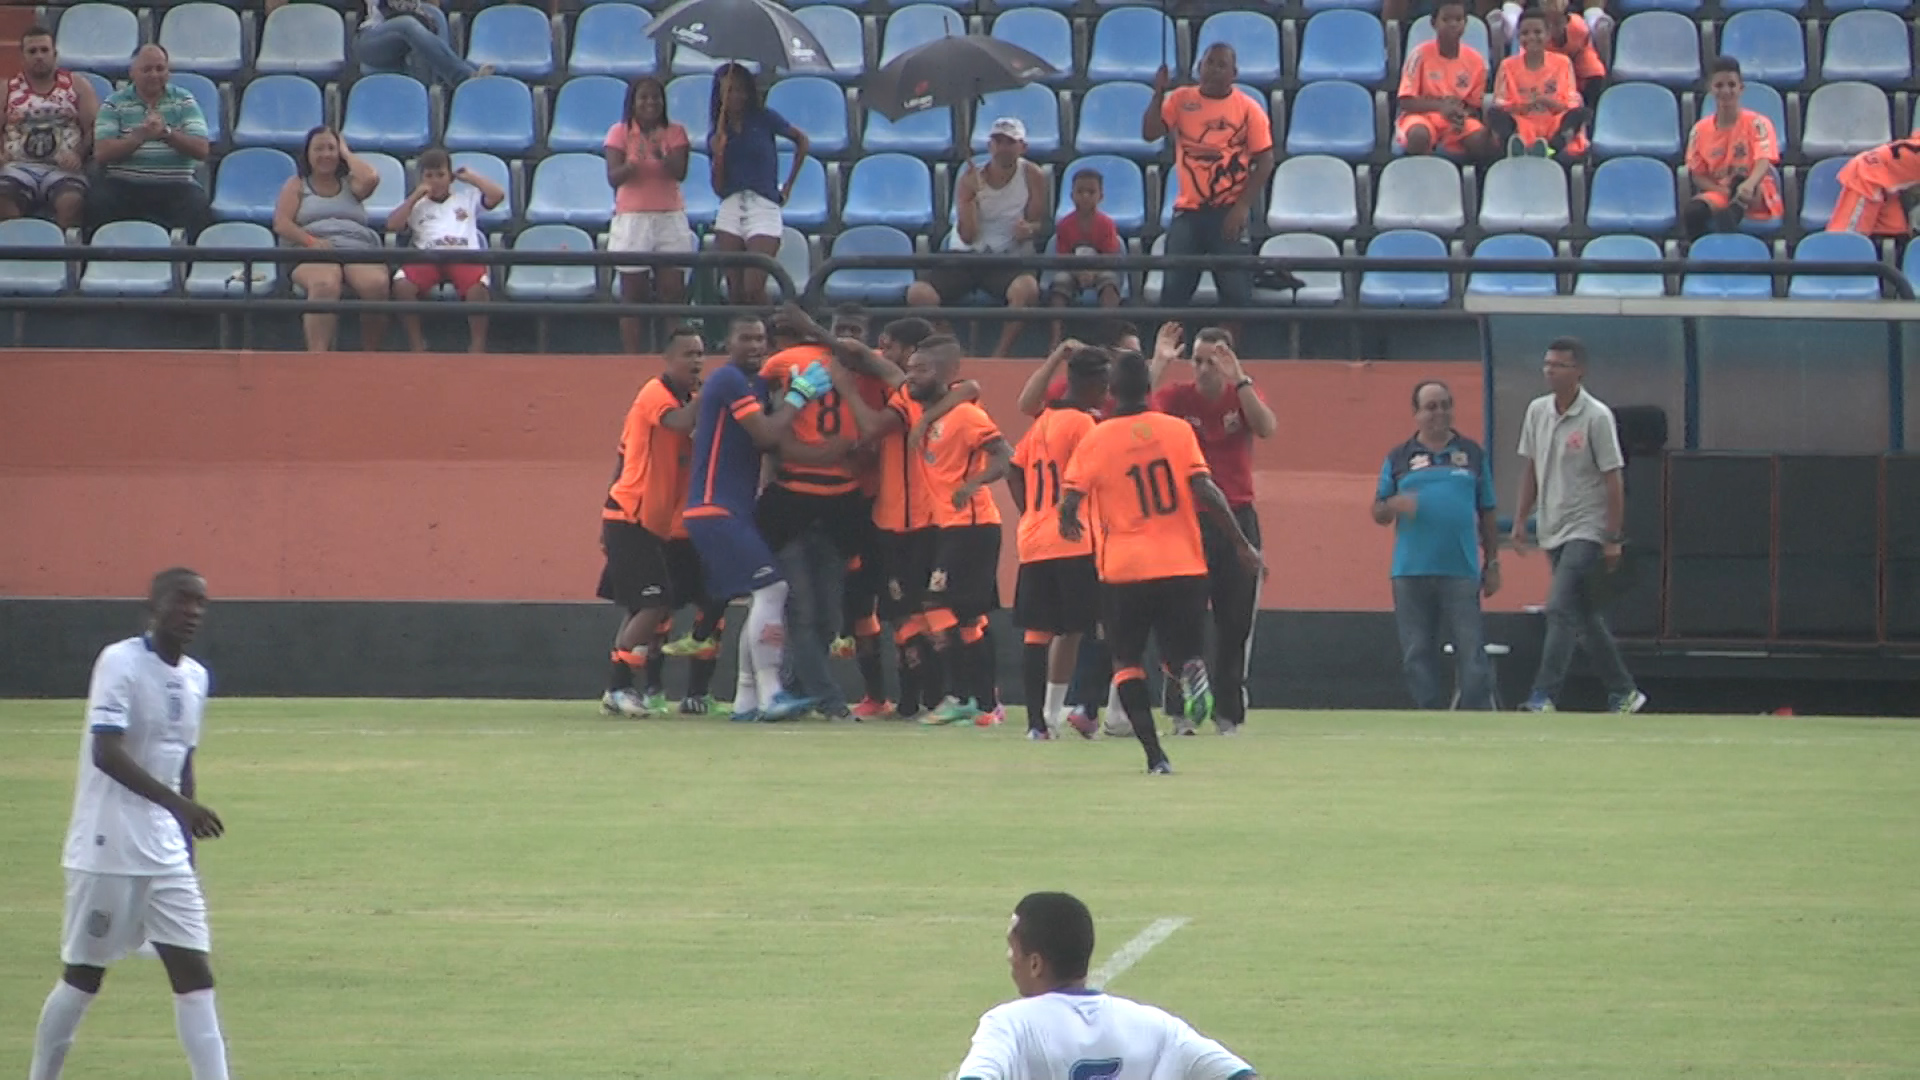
756,30
950,71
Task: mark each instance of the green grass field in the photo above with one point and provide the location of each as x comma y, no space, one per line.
473,890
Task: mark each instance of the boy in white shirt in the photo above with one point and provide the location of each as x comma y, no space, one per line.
439,215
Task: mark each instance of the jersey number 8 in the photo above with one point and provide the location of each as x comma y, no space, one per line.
828,422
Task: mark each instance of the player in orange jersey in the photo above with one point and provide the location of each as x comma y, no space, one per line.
1730,158
1874,189
1441,88
1537,109
859,638
1144,479
1052,598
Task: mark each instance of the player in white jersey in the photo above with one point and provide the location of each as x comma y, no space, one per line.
1060,1030
129,856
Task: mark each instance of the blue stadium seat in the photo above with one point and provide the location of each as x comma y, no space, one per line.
248,183
611,39
279,110
1060,4
809,207
1603,249
1658,46
1044,33
571,189
495,170
584,109
392,190
1205,292
302,39
1332,118
1726,247
1870,46
98,37
1422,31
1126,191
1110,122
1420,193
1841,247
1684,7
1405,288
19,277
1508,283
1631,194
1766,101
1323,288
816,106
703,206
689,101
795,254
1793,7
1819,192
929,133
839,31
494,114
388,112
232,278
103,86
1130,43
204,38
529,281
1255,38
1844,118
1345,45
917,24
208,95
104,278
1770,46
889,189
869,286
1313,193
1313,6
1834,7
1033,105
1525,194
1638,119
516,39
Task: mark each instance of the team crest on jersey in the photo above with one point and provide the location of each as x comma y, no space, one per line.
1576,441
1552,87
1231,423
1142,430
1459,458
1460,80
938,582
1739,151
460,213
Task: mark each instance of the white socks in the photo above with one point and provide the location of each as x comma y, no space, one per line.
1056,707
763,640
59,1019
746,690
199,1028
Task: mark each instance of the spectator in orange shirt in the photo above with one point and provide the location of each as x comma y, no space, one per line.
1536,106
1730,158
1579,38
1440,91
1872,190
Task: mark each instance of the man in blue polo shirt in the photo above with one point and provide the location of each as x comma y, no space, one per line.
1436,490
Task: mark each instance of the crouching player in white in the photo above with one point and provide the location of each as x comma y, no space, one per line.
129,862
1061,1030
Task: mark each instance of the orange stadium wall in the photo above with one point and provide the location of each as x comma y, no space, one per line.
383,477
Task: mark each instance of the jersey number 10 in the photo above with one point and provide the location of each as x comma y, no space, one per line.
1153,483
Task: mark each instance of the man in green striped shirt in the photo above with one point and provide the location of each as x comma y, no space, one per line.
148,139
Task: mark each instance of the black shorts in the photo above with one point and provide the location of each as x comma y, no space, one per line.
905,561
783,514
1173,611
965,578
956,283
685,579
637,576
1057,596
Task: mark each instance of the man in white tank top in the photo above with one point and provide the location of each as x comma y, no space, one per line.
1061,1030
1000,209
46,134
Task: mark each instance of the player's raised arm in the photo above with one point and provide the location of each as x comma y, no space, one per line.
871,423
1033,396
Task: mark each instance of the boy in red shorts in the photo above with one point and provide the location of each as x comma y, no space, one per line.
440,216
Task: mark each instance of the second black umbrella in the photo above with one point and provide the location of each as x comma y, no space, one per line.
756,30
950,71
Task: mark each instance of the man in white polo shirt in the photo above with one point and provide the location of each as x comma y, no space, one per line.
1574,476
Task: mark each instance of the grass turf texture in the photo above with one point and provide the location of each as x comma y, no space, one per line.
507,889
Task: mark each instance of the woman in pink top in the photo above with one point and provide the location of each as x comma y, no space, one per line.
646,160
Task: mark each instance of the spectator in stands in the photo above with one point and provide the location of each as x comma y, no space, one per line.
46,134
1730,158
325,207
1875,187
148,139
1536,106
1441,89
1001,207
1579,38
746,165
1085,230
1223,150
411,36
647,157
440,216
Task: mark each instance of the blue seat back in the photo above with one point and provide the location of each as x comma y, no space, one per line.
1131,43
876,286
1844,118
839,32
303,39
915,25
1332,117
1770,46
1631,194
1125,200
571,189
1110,122
890,189
98,37
1513,283
248,183
611,39
279,110
530,281
516,39
929,132
809,207
1871,46
1255,38
1819,192
1033,105
1726,247
1841,247
202,37
494,113
1421,194
207,94
108,278
816,106
586,107
19,277
689,102
211,278
1603,249
1526,194
1313,193
1042,32
388,112
1657,46
1343,44
1405,288
1638,119
392,189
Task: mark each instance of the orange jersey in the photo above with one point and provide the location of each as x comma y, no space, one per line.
1042,458
1522,91
1575,42
866,463
1429,75
1720,155
900,503
822,420
956,450
1134,471
1883,170
1214,143
650,468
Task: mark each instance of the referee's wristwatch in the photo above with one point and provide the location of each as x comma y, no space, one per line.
1245,381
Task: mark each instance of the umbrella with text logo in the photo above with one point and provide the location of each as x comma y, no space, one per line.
756,30
950,71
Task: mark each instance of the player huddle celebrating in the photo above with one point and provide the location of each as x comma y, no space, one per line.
840,488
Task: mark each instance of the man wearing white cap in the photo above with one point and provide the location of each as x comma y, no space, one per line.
1001,208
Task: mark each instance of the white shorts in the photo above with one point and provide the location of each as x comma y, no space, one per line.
747,214
651,232
111,915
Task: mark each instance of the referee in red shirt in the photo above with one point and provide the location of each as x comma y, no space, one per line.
1227,413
